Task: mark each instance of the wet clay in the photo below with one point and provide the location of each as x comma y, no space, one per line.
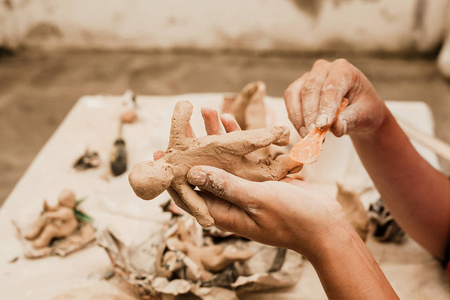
55,222
149,179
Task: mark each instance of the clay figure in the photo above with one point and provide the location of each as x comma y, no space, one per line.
55,222
248,107
249,110
209,258
149,179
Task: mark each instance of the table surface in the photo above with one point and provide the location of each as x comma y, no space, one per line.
93,123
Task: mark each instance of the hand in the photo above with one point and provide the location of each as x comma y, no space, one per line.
287,213
313,100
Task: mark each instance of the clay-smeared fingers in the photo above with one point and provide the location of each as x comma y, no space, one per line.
293,104
336,86
241,192
212,123
311,92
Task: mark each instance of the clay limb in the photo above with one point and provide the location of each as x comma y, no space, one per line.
245,142
195,203
180,122
228,151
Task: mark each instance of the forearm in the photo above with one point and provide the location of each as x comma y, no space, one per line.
417,195
347,270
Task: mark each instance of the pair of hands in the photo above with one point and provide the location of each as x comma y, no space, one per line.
290,213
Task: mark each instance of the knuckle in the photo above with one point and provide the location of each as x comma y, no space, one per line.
320,62
310,87
342,62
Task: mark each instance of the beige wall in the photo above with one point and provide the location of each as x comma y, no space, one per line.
294,25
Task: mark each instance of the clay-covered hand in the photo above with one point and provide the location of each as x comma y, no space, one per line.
313,100
287,213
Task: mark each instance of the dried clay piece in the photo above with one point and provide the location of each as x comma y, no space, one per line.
55,222
149,179
210,258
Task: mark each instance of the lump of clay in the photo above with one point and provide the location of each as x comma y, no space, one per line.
55,222
149,179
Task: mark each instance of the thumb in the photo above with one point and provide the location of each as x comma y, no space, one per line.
361,116
240,192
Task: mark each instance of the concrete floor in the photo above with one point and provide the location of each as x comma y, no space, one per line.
37,90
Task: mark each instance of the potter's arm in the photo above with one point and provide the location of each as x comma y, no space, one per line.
180,122
244,142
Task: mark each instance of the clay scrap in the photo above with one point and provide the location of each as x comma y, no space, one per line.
182,259
59,230
150,178
354,210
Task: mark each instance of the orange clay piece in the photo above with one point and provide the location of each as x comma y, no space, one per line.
307,151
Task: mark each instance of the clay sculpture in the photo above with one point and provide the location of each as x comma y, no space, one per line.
248,107
249,110
149,179
55,222
209,258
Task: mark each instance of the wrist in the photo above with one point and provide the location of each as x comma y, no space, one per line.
341,239
365,136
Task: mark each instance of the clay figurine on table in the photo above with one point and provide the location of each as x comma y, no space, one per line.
208,258
55,222
150,178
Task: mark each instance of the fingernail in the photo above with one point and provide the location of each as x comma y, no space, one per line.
197,177
227,116
303,131
345,126
322,121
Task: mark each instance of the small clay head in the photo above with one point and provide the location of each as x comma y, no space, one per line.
150,178
67,198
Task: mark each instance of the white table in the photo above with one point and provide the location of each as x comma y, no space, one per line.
93,123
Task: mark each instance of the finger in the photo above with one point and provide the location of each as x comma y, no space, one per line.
293,104
243,193
228,216
357,117
189,132
158,154
335,87
229,123
311,91
211,119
